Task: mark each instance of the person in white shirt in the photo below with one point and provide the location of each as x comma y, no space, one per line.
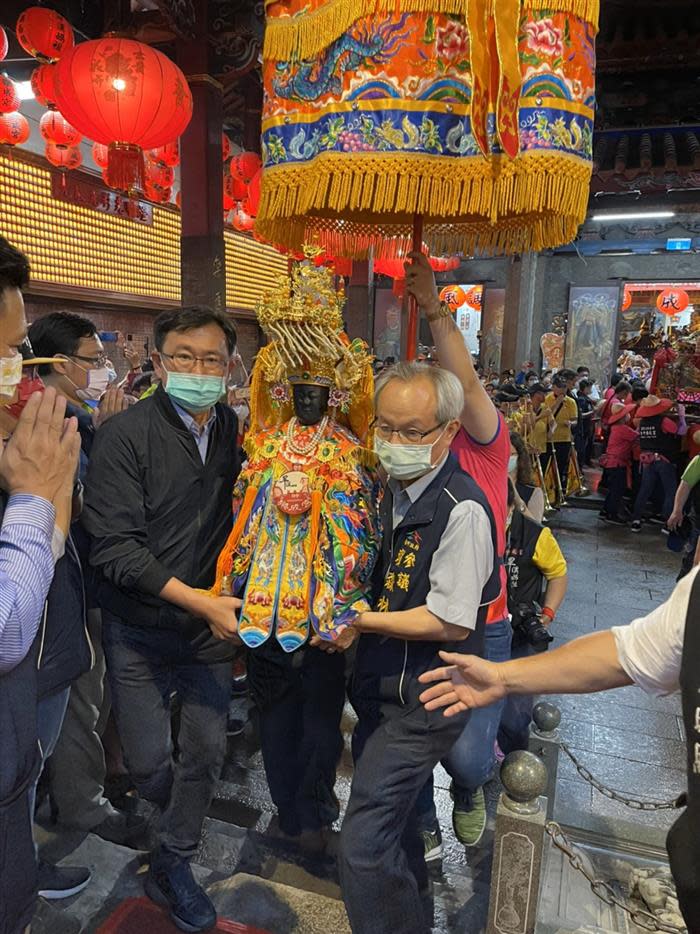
659,652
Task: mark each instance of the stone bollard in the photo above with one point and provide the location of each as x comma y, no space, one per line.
544,742
518,846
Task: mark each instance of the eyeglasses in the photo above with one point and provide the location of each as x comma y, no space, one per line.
409,435
99,361
186,362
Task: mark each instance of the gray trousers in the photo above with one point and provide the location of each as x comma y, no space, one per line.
77,766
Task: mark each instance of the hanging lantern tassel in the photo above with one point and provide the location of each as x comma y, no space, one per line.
125,166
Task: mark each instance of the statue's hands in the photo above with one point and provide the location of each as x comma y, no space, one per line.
221,615
345,639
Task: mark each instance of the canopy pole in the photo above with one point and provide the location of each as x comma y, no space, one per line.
413,313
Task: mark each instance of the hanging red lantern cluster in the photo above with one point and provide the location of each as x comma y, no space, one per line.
240,220
4,44
626,299
158,193
225,147
244,166
473,298
242,190
9,98
64,157
168,154
444,263
159,175
125,95
54,127
43,78
672,301
14,129
44,33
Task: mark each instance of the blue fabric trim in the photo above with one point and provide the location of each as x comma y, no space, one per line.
485,444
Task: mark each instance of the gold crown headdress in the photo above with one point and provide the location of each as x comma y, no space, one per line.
302,318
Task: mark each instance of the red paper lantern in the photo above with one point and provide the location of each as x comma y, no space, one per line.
43,85
473,298
125,95
626,299
9,98
99,155
454,296
64,158
241,220
159,176
672,301
44,33
254,193
225,147
169,154
4,45
236,188
158,193
229,200
14,129
245,165
56,129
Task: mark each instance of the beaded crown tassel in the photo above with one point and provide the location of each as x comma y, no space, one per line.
302,319
476,114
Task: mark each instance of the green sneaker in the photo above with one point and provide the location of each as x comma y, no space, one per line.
469,826
432,840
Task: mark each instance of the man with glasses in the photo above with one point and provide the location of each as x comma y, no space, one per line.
158,508
437,573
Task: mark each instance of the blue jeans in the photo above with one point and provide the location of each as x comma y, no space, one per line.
514,731
471,760
665,474
50,711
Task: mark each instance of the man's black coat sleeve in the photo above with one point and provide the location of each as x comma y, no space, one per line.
114,513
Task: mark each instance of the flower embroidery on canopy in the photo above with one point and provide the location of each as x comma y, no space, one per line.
339,399
544,37
452,40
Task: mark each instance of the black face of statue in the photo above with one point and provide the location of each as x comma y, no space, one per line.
310,403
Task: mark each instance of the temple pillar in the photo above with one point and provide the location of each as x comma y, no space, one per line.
518,316
203,268
359,307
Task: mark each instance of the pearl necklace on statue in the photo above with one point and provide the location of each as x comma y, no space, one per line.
306,447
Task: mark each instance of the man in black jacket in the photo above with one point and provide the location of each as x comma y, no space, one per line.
158,508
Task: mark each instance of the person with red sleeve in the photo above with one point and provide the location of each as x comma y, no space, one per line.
659,444
482,447
617,461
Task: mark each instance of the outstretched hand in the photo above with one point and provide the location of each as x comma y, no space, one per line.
420,281
466,682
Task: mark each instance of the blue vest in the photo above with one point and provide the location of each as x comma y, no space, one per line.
387,669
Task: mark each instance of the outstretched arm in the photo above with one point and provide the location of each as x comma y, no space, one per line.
479,418
583,666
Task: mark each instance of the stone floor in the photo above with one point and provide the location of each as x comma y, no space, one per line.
629,741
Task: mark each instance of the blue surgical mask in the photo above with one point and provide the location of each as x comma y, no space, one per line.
195,392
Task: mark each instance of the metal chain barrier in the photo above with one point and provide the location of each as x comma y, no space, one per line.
634,803
602,889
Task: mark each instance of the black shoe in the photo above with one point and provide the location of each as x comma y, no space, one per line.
124,829
170,883
656,520
636,526
62,881
615,520
602,514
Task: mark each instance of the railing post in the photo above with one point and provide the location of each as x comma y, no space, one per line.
519,846
544,742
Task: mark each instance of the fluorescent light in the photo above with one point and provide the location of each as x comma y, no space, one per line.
24,90
633,216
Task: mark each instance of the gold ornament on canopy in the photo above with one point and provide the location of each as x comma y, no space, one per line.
475,114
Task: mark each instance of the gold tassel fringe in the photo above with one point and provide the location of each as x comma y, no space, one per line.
305,35
506,206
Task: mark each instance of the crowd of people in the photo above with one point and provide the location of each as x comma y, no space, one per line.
131,593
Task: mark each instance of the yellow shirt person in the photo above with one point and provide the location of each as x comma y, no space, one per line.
565,411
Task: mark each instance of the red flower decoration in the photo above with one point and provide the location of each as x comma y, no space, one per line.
545,38
452,40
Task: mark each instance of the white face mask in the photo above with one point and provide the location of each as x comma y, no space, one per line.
97,382
10,377
405,461
512,463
